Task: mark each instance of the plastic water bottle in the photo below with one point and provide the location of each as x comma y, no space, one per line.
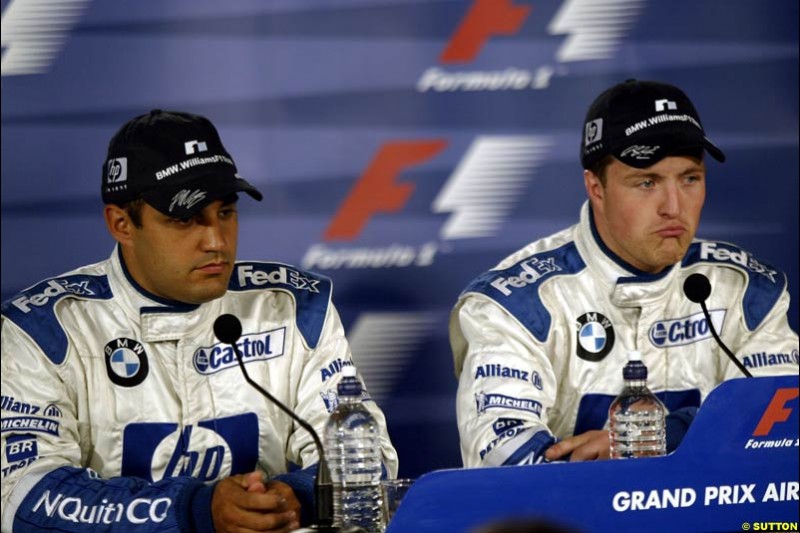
354,454
637,417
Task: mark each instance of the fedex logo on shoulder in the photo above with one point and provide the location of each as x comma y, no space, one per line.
742,258
281,276
531,271
54,287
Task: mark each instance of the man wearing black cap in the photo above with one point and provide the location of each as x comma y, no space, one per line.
539,341
121,410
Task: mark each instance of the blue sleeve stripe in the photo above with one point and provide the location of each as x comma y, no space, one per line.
302,483
532,451
70,499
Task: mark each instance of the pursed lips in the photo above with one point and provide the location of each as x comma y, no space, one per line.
671,231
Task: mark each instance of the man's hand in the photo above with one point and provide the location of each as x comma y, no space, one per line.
246,504
587,446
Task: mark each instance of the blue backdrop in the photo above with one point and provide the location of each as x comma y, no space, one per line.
403,146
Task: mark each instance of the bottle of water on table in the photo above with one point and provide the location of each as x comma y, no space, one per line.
637,417
352,445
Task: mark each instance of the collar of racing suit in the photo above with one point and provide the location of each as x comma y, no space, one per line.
158,318
629,286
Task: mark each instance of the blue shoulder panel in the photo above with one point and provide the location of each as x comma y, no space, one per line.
33,310
516,288
765,284
311,291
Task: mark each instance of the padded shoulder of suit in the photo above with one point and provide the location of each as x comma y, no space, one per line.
765,284
311,292
33,310
516,288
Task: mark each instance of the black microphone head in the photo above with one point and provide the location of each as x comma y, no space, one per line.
227,328
697,288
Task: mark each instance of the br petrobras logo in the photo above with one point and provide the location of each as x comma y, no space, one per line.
498,26
595,336
475,210
208,450
20,451
256,347
126,362
686,330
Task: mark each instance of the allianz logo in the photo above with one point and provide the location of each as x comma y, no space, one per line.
255,347
54,287
742,258
687,330
281,276
531,271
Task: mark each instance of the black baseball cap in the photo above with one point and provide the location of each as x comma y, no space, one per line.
175,161
640,123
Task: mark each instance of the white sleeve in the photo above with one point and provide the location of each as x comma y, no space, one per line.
506,387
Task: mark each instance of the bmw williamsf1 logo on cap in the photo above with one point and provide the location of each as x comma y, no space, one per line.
595,336
126,362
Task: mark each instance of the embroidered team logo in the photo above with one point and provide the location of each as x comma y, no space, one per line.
595,336
126,362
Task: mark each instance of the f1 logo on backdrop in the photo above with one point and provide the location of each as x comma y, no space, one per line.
777,427
590,34
478,195
34,33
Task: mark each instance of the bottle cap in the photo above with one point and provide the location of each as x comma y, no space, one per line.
635,369
349,385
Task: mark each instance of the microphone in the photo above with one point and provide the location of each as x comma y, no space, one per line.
697,288
228,329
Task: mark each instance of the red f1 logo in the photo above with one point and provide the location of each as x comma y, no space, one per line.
376,191
776,411
484,19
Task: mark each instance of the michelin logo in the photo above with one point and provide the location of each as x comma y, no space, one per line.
687,330
532,271
72,509
282,276
256,347
484,402
740,257
54,287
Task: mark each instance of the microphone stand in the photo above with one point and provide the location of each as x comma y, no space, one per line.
729,353
697,288
323,485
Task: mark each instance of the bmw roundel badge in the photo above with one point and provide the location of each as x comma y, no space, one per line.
126,362
595,336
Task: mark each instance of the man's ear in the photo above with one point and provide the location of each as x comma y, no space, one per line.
594,187
119,224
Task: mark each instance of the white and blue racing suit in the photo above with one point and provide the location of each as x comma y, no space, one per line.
539,341
120,410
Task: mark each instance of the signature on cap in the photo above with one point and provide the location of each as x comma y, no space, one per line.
186,199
